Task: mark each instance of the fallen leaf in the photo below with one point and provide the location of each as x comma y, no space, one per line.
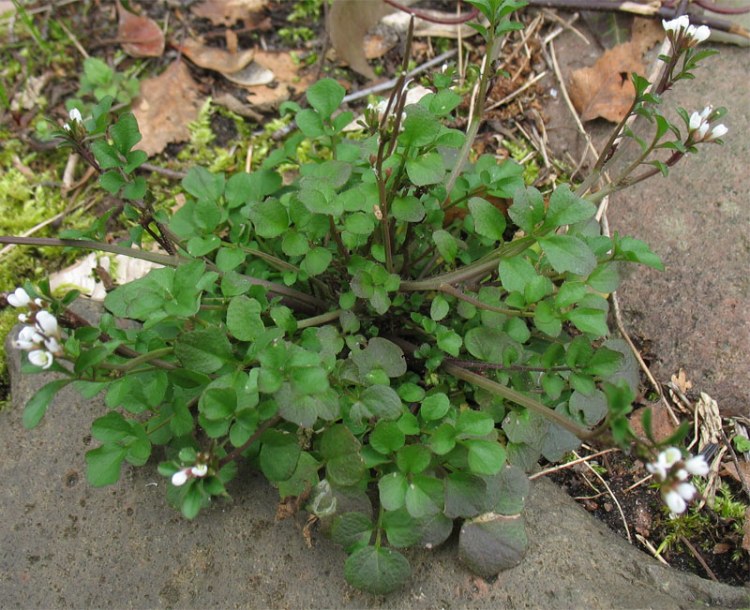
139,36
399,22
681,381
227,12
605,89
348,22
166,105
287,80
251,75
661,422
228,101
721,547
731,469
212,58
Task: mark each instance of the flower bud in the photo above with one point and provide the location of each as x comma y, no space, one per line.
180,477
199,470
19,298
46,323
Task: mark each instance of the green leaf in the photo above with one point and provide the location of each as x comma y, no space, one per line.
465,495
516,272
111,428
413,459
125,133
420,127
204,351
103,464
508,489
310,123
546,319
387,437
325,96
435,406
568,253
204,185
218,403
591,408
135,190
488,220
407,208
567,208
448,340
490,543
106,155
377,570
270,218
527,210
426,169
474,423
424,496
587,320
294,244
486,343
401,528
112,181
485,457
243,318
392,490
382,402
446,244
316,261
279,455
380,354
37,405
228,258
635,250
443,440
135,158
351,530
439,307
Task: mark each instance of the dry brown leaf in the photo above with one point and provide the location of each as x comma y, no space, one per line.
212,58
287,80
227,12
348,22
681,381
139,36
166,105
604,89
730,469
661,422
252,75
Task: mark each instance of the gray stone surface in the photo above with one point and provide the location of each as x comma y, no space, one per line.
64,544
694,315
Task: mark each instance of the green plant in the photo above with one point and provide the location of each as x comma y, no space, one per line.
375,327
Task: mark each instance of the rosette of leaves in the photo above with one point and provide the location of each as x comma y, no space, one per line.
395,344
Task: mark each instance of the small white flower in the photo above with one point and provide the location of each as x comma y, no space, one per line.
682,475
47,323
674,501
75,115
23,318
697,466
180,477
695,121
718,131
19,298
42,358
38,302
676,25
699,34
199,470
52,345
28,339
686,491
664,462
66,127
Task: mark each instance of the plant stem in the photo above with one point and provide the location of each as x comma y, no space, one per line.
478,115
307,301
149,357
237,453
475,270
453,291
318,320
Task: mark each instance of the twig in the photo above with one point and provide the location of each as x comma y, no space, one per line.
614,497
699,557
255,436
73,39
586,458
169,173
431,17
638,483
518,91
651,549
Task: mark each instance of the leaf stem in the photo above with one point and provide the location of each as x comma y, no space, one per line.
318,320
237,453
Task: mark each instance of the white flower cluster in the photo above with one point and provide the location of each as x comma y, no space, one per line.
181,476
682,34
672,471
41,336
75,117
700,123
